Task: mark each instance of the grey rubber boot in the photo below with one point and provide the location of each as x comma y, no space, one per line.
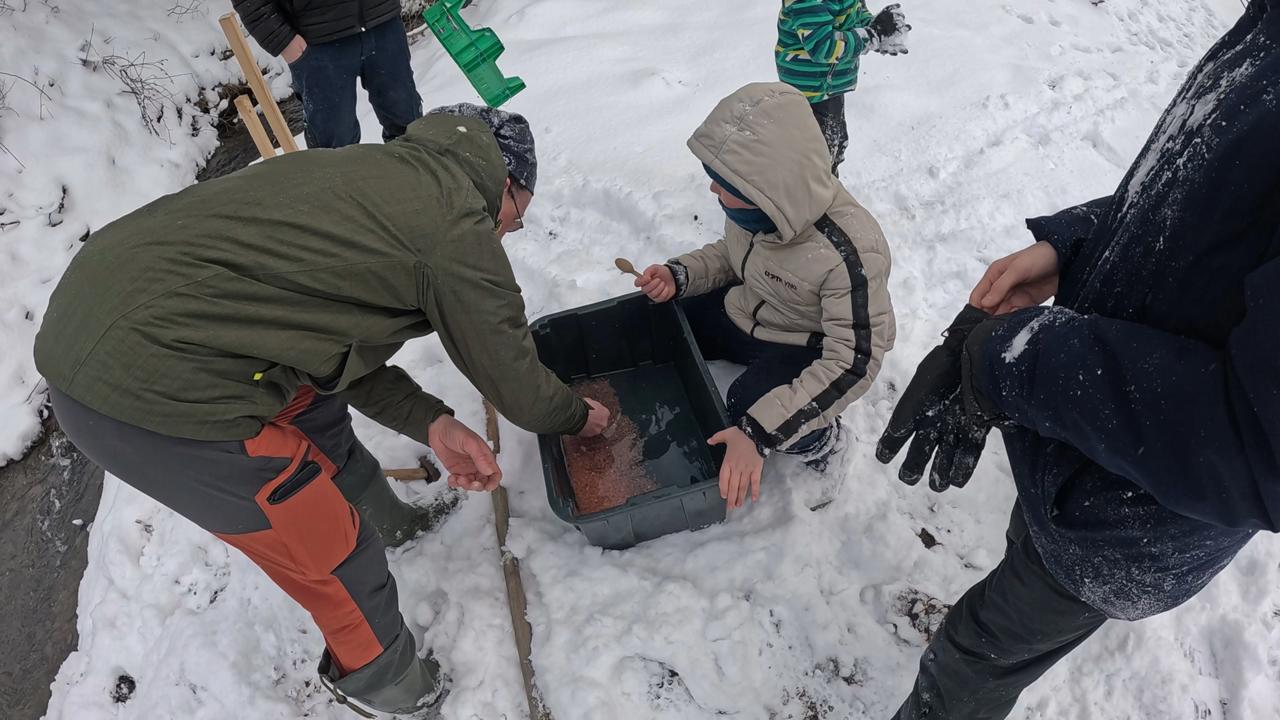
397,682
396,521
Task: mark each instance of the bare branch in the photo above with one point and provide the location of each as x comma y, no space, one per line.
182,8
21,164
146,80
43,95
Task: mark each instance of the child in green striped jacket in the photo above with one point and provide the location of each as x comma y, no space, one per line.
819,43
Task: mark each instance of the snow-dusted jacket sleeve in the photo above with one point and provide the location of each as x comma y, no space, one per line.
266,24
858,329
1197,426
1067,230
706,269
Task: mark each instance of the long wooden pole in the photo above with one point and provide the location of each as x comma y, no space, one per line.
249,116
253,75
511,573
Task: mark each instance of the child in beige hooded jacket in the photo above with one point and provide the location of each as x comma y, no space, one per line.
796,290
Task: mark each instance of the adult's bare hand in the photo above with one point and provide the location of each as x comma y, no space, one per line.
468,459
1024,279
597,419
294,50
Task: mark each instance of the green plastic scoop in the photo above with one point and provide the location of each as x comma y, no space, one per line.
474,49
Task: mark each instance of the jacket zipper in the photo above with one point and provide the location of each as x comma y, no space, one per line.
826,86
360,14
743,269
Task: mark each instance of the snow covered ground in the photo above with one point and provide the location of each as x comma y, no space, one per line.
1001,111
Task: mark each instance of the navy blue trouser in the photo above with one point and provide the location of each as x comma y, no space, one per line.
325,78
769,365
830,116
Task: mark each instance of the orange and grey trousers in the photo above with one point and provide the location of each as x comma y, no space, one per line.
283,498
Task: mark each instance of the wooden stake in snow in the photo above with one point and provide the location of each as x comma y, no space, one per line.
258,84
511,573
249,116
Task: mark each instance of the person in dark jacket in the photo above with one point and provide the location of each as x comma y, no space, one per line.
1141,413
329,44
205,347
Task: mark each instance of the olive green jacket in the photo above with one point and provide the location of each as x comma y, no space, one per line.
200,314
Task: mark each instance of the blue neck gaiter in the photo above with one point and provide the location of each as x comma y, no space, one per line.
753,220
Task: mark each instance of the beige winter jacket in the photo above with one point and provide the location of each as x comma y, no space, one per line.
821,280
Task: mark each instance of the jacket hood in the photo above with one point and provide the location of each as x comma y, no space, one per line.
764,139
467,142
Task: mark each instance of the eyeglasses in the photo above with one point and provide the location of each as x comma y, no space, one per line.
519,221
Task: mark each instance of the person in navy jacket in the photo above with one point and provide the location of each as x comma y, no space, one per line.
1141,412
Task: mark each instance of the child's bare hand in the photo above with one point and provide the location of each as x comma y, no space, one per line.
657,282
742,467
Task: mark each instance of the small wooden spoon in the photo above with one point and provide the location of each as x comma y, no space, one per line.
625,266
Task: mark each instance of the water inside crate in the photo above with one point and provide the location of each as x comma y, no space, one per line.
653,440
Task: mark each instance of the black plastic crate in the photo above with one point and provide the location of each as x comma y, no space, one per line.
650,358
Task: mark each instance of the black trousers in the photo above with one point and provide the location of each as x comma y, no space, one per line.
1002,635
769,365
830,116
325,78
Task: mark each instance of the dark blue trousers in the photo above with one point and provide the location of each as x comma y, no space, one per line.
830,116
325,78
769,365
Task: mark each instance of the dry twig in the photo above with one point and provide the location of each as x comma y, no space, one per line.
5,107
146,80
182,8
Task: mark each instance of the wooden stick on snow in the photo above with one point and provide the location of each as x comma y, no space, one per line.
511,573
253,75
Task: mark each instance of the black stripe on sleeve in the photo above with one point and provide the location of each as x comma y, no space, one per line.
845,381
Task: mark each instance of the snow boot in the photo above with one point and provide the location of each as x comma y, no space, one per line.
826,472
397,683
397,521
819,457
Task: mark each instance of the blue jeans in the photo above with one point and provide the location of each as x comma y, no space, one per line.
769,365
325,78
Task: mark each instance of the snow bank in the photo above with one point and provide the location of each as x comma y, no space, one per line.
78,153
999,113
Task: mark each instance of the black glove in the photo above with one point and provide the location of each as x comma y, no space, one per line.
887,32
933,409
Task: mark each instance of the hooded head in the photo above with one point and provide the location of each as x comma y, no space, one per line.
764,141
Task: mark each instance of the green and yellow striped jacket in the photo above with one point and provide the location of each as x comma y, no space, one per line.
817,51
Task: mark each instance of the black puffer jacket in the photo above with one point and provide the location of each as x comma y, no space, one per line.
1147,403
274,23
